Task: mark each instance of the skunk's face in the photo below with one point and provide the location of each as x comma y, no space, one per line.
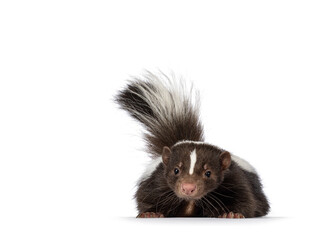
193,170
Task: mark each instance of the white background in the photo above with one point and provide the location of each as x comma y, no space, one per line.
69,159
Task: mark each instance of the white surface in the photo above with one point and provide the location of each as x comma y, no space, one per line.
69,159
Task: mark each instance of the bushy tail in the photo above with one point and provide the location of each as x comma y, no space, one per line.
168,111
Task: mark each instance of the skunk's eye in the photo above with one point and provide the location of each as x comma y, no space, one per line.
176,171
208,174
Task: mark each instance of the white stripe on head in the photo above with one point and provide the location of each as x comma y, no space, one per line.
193,159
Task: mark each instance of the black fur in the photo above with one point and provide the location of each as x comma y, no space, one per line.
237,191
166,129
228,188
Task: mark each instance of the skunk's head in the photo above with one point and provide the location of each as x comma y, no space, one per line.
193,169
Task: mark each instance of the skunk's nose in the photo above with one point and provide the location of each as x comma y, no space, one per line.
188,188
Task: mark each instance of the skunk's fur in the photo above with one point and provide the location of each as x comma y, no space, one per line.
165,108
178,182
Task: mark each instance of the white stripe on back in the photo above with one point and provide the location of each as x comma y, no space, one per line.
151,167
243,164
189,141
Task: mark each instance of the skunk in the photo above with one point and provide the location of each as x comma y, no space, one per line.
187,177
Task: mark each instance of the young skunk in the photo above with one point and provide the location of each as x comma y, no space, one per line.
188,177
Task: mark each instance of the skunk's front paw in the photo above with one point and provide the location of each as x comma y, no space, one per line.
231,215
150,215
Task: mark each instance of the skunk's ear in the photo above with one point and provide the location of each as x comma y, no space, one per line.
225,160
166,153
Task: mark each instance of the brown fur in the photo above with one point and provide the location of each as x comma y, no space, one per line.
217,186
161,132
227,190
